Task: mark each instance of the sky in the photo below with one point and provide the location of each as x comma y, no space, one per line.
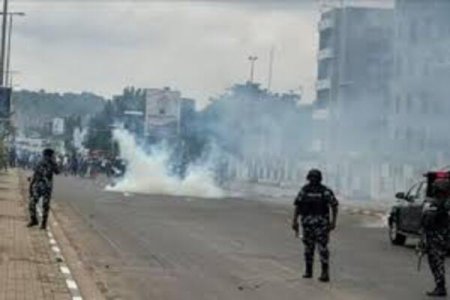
197,47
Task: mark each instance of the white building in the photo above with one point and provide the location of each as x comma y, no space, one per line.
419,120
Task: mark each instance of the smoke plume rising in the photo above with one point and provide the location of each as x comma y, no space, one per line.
149,173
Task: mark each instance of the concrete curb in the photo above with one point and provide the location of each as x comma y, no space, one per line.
59,257
64,269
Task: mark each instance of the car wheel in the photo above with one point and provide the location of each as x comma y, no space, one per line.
396,237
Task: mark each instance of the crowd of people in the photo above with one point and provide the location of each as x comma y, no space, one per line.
75,164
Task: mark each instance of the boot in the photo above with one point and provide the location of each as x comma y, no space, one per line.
43,224
325,276
33,222
308,271
439,291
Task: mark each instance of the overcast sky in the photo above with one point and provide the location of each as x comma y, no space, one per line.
199,48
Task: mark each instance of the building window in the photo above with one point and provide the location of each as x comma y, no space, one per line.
397,105
409,104
325,40
424,106
324,69
413,33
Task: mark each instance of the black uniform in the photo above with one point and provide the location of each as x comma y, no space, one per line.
41,187
313,203
435,225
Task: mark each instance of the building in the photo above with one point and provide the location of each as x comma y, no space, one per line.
35,145
420,110
355,54
355,72
354,95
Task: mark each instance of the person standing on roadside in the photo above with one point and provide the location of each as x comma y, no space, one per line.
435,225
313,205
41,186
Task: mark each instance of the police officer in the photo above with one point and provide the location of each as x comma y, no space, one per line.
41,187
313,204
435,220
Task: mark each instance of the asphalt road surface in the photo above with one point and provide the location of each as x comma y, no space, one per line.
162,247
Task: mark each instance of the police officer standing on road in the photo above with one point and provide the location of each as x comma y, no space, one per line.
313,204
41,187
435,225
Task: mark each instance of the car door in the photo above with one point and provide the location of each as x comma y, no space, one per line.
405,221
416,207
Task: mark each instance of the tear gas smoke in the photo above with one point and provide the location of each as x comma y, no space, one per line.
149,174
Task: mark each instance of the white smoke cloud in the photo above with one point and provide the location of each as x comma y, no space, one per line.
149,174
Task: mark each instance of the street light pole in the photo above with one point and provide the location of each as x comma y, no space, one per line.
8,75
252,60
3,45
8,58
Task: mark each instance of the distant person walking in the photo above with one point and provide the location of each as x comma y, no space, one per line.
41,187
313,205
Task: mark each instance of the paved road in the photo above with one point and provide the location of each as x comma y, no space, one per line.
161,247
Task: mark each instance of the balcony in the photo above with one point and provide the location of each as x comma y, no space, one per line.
325,24
326,53
321,114
324,84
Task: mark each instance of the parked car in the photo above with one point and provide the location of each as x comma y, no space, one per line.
405,217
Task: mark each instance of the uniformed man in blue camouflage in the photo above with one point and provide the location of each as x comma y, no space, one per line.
313,204
435,224
41,187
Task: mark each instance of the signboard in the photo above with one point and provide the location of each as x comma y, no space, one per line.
58,126
162,111
30,144
5,102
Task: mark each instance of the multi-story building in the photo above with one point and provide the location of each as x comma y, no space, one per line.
354,95
355,70
421,106
355,54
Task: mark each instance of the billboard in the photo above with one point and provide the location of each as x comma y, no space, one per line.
5,102
58,126
162,112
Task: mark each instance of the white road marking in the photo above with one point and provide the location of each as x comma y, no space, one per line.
71,284
65,270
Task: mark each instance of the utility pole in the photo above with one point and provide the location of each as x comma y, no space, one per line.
8,75
252,60
3,45
269,80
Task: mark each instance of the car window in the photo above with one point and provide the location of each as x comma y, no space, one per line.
422,194
413,192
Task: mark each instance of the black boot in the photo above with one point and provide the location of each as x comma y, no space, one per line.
43,224
33,222
308,271
325,276
439,291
